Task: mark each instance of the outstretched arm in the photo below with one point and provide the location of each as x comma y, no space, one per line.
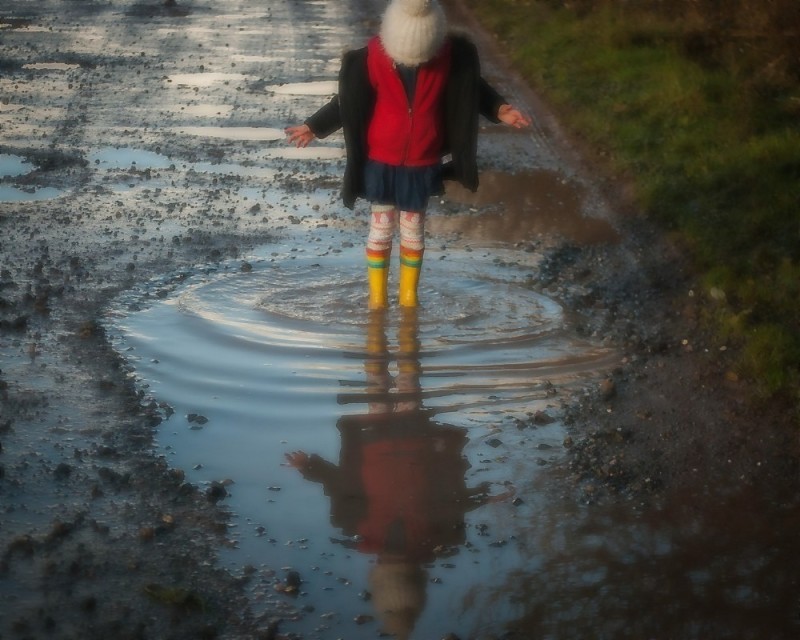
513,117
323,123
314,468
494,107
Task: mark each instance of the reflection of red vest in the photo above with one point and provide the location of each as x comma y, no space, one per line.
398,485
399,133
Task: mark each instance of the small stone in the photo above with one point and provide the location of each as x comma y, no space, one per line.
63,470
293,580
608,389
146,534
291,584
216,492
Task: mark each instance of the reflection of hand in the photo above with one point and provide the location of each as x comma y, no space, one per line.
513,117
300,135
298,460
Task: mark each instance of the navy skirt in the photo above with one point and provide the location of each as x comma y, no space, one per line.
406,188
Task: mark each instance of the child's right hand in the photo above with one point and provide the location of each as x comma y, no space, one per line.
299,135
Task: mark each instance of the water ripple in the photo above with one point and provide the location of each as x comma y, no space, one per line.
300,326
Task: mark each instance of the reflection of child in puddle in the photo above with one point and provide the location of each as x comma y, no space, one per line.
399,488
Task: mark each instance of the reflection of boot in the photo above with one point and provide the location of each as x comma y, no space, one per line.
376,363
410,264
377,359
378,274
408,342
408,363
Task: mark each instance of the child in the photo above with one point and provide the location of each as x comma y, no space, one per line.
406,100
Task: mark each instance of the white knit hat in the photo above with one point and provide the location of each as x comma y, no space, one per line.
412,31
398,595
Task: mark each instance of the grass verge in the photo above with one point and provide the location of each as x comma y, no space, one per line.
704,120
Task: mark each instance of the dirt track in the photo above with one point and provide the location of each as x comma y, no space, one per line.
99,536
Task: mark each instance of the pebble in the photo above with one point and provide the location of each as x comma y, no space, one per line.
63,470
216,492
608,389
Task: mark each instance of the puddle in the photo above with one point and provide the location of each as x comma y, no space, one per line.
13,165
522,206
232,133
14,194
127,157
319,88
368,452
51,66
142,160
312,152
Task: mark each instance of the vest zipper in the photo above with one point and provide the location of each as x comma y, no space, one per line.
408,137
410,114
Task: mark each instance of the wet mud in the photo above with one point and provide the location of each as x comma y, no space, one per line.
205,434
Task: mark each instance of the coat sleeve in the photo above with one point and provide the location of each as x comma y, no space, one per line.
489,101
326,120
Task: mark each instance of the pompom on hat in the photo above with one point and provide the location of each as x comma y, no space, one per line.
413,31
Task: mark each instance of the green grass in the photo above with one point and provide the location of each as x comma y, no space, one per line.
709,135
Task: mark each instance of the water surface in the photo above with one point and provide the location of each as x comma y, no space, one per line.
369,452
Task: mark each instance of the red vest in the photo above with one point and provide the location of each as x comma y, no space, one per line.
400,133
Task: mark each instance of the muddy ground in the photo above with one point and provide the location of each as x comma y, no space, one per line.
99,537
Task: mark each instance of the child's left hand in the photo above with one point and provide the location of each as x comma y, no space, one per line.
513,117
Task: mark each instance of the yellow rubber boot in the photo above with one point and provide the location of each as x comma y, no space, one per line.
409,281
378,287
